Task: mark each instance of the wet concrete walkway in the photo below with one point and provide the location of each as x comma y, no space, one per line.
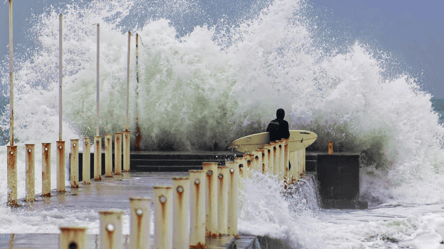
110,193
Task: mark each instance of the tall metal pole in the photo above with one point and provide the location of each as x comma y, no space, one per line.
11,79
127,80
137,79
98,78
60,76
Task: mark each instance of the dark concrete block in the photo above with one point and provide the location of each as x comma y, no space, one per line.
310,165
338,175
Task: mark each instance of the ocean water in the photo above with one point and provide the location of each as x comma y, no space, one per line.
202,86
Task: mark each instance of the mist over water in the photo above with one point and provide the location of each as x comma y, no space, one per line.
200,87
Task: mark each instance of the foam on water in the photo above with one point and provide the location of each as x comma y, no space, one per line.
205,88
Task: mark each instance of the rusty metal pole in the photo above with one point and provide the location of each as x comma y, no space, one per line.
197,207
110,229
98,81
97,158
233,189
12,176
60,166
248,165
46,169
12,150
126,151
330,148
286,158
276,159
181,213
74,161
30,172
163,211
265,156
240,161
72,237
118,153
108,155
140,223
86,170
60,74
211,225
11,81
281,159
222,199
273,167
270,149
303,159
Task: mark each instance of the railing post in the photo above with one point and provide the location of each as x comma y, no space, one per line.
118,153
110,229
86,175
233,189
163,211
282,159
60,166
72,237
12,176
108,156
264,160
270,152
303,159
181,214
330,148
140,223
241,165
46,169
222,200
211,225
197,207
74,173
257,160
30,172
126,151
286,158
248,166
276,160
97,158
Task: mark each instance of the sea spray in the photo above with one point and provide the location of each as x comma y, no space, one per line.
266,211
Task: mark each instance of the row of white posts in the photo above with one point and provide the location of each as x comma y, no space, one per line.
201,205
74,162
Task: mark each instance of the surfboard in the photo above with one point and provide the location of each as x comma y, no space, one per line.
299,139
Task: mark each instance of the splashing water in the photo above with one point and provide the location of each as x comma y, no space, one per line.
204,86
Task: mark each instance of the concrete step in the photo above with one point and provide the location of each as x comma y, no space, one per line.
169,162
165,168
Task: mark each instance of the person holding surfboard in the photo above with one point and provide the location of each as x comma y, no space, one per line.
278,128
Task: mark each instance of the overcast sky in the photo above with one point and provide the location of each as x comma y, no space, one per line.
411,30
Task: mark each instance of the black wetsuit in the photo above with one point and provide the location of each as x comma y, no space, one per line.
278,130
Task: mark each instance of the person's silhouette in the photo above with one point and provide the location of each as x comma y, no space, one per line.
278,128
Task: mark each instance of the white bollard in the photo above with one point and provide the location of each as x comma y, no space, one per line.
86,161
46,169
233,189
74,163
97,158
197,207
140,223
222,199
110,229
211,225
60,166
181,214
118,153
163,211
72,237
30,172
108,156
